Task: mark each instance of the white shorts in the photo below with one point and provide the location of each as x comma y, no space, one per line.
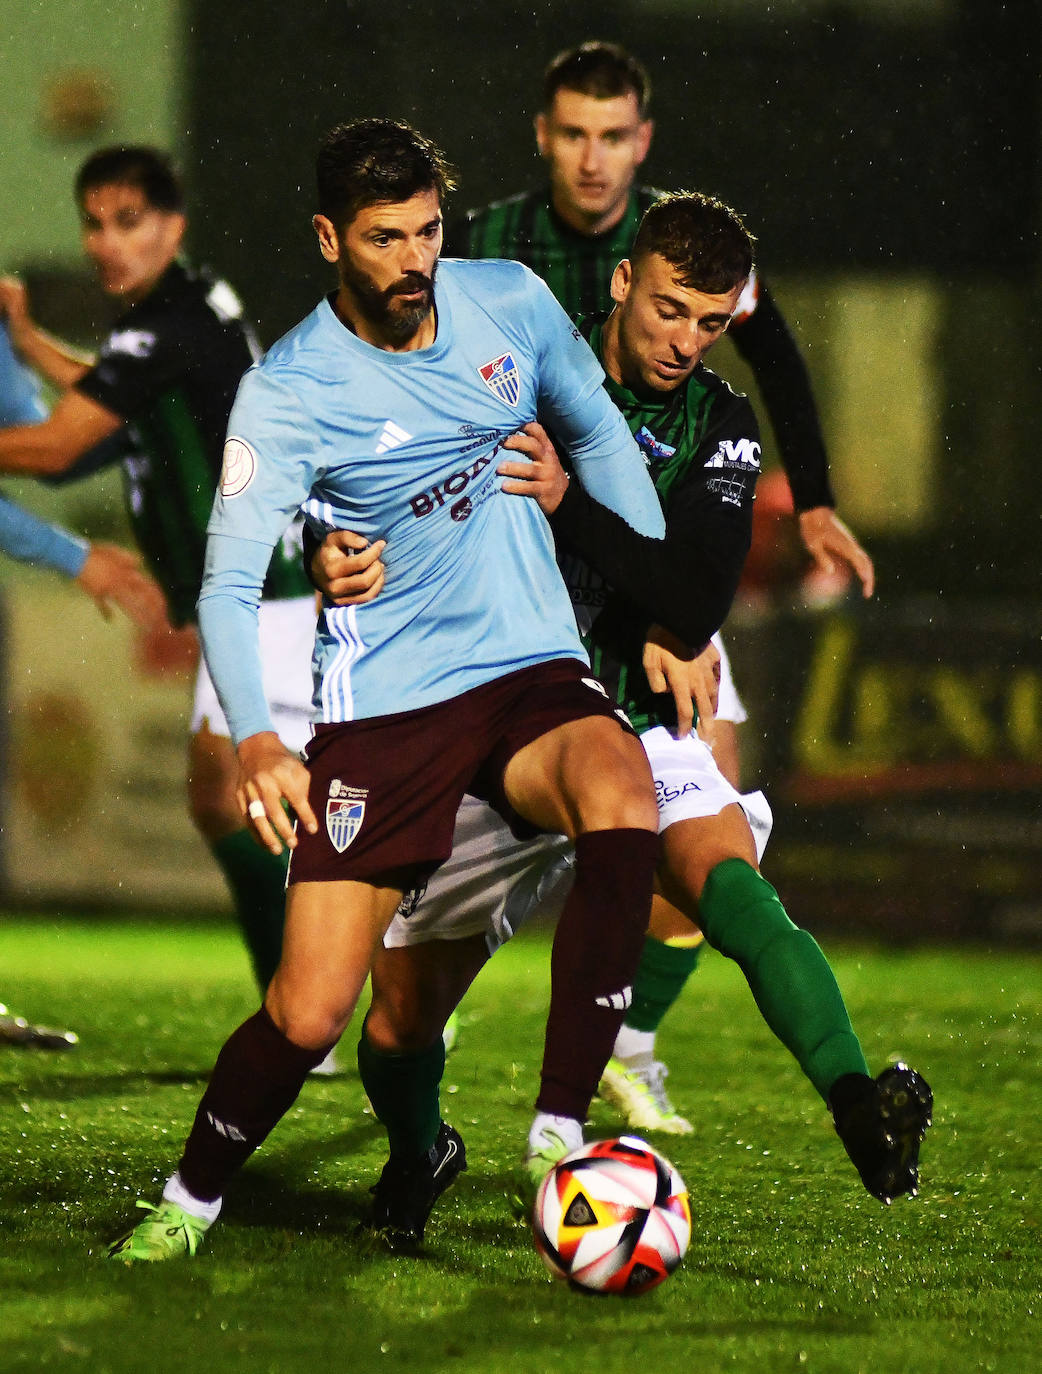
730,705
493,882
286,636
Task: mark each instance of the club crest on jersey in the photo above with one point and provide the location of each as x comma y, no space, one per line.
345,812
653,449
502,378
240,467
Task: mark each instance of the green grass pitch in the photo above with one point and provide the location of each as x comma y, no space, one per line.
791,1267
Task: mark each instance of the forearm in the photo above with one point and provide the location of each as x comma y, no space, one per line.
57,362
227,606
766,343
685,581
31,540
29,451
610,468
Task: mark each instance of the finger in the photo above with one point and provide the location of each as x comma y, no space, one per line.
865,572
357,591
306,817
523,471
656,679
348,539
707,730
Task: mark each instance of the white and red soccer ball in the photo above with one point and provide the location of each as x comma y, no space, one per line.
612,1217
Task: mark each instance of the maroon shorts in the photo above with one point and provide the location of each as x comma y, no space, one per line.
386,790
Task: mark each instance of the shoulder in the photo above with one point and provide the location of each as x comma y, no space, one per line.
492,280
506,208
497,229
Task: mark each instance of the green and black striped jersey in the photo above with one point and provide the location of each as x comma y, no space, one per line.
702,446
578,268
170,368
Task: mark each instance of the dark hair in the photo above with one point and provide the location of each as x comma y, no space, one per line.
603,70
370,161
151,170
701,237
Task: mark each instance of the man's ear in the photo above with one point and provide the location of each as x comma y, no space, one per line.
328,238
540,133
644,132
621,280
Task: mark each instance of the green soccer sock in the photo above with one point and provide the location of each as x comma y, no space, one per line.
257,880
661,974
404,1092
794,987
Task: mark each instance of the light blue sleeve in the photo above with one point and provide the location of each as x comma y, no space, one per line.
20,399
32,540
269,466
575,406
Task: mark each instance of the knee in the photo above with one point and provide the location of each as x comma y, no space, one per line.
399,1025
309,1023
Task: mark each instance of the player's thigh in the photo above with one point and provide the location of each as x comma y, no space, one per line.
587,774
692,848
331,935
416,988
213,773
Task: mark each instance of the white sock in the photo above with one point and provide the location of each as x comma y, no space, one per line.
176,1192
570,1130
634,1044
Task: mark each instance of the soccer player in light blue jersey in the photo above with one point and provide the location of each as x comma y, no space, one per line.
386,411
111,575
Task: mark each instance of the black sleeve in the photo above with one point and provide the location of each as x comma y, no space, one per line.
766,343
139,360
687,580
310,544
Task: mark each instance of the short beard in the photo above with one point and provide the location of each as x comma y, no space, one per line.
377,306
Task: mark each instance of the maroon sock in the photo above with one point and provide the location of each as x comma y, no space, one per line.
255,1081
596,950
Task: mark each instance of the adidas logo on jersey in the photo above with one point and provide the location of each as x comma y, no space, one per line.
393,436
736,453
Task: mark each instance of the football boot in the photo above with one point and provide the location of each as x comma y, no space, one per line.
638,1091
881,1123
165,1233
408,1188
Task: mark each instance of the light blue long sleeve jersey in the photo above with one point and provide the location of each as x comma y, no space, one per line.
20,400
32,540
405,446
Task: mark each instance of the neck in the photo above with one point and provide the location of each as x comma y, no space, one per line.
610,348
348,312
590,225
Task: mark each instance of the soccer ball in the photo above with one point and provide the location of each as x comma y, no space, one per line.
612,1217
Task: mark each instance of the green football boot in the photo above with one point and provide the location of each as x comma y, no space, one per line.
165,1233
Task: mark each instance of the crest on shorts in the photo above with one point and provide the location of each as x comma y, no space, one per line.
502,378
345,812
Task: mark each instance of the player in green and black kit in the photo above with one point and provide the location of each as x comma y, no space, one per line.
594,133
674,299
157,398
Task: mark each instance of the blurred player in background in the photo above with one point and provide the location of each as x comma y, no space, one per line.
594,132
674,296
111,575
163,382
